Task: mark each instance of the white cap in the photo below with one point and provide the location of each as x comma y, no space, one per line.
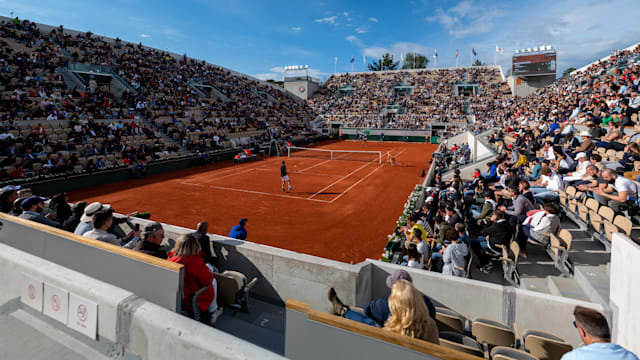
585,133
581,155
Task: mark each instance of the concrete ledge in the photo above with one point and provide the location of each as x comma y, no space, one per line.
14,264
157,333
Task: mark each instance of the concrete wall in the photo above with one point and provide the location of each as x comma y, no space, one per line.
126,324
474,299
307,339
529,84
624,292
389,132
160,285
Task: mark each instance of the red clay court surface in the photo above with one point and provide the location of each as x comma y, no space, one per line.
341,210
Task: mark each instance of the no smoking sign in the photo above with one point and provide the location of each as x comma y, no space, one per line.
56,304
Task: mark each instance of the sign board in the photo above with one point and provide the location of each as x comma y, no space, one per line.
32,292
534,64
56,303
83,315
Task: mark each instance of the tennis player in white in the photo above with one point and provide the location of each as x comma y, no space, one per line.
284,177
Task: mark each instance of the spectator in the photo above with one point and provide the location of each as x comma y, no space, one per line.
377,311
101,222
546,189
495,235
8,195
32,208
76,213
593,329
454,255
86,221
409,315
205,243
238,231
152,238
196,276
58,205
541,224
621,194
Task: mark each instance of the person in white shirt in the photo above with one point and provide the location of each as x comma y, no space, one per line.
546,189
620,194
581,170
542,223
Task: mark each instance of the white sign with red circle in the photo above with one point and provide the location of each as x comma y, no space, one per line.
83,315
56,303
32,292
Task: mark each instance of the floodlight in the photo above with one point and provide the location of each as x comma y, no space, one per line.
523,50
306,66
548,47
535,49
528,49
517,51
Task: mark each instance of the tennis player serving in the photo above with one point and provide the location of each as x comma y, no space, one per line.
284,177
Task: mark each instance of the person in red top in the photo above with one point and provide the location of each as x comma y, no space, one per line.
197,275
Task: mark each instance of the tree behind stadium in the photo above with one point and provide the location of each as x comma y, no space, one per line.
415,61
384,63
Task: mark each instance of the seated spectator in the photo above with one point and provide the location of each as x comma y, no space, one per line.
495,235
86,221
205,243
546,189
238,231
593,329
76,213
453,254
377,312
8,195
620,194
101,222
151,243
586,145
32,208
542,223
581,169
60,207
409,314
196,276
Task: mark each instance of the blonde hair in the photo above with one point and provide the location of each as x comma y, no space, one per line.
409,314
186,245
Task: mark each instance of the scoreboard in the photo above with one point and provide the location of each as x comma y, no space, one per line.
534,64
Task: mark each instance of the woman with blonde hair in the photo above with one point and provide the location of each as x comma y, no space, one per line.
409,314
197,275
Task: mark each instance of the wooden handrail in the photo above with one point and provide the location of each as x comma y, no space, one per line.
95,243
380,334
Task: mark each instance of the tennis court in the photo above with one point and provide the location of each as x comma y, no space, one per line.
342,206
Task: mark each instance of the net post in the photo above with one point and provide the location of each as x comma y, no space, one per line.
379,157
288,151
331,153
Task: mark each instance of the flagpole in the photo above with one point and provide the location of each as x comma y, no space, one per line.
495,56
335,64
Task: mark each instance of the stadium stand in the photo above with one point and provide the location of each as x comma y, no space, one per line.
157,105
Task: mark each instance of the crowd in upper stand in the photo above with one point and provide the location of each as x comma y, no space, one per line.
420,97
46,119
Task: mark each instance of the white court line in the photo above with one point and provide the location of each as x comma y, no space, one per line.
356,183
337,181
222,177
296,172
257,192
323,162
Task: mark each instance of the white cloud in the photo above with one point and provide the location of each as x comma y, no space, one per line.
144,36
354,40
362,30
346,14
329,20
373,19
296,28
466,18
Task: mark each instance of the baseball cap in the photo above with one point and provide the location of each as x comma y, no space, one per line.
398,275
476,174
91,209
585,133
9,188
29,202
510,146
243,221
581,155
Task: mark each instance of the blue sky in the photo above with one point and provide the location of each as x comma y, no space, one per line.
261,37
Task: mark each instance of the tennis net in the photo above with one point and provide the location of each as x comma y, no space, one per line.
346,155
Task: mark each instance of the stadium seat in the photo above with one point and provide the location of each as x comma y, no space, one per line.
545,346
450,321
492,333
465,344
510,263
559,251
233,289
507,353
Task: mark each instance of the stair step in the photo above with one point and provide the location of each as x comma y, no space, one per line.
566,288
594,281
535,284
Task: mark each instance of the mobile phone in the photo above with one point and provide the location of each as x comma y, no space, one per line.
136,227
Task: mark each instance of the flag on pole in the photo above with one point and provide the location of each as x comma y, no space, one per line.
435,53
498,49
401,57
353,59
335,60
474,52
456,54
